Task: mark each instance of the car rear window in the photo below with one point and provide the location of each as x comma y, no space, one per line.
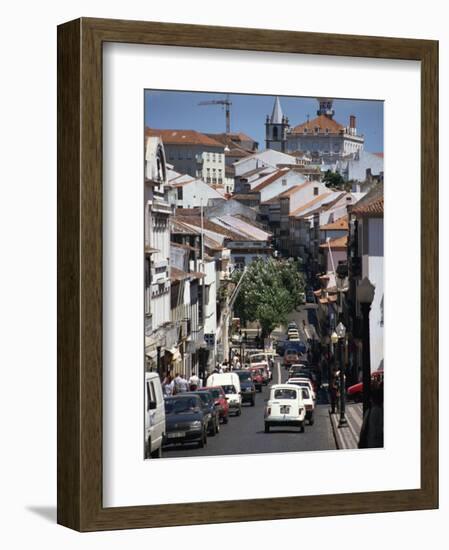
285,393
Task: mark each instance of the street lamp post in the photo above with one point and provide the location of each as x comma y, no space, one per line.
203,361
341,333
365,297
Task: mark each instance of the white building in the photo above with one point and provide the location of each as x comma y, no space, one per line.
370,248
267,158
322,136
211,167
158,334
278,182
193,193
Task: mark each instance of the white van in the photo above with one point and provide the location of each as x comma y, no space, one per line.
230,382
154,416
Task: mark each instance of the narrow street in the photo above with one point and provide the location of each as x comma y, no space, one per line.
245,434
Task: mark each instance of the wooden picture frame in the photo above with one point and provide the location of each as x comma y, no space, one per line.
80,274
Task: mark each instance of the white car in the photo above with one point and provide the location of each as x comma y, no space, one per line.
230,382
304,382
154,416
307,397
285,407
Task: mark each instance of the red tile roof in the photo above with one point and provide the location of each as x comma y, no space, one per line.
322,122
183,137
340,224
310,203
211,226
341,242
287,193
269,180
372,208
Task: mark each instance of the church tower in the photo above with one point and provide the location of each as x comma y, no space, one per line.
325,107
276,128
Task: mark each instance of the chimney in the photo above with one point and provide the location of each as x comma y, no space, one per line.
352,121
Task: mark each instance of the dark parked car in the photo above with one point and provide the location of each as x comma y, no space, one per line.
185,420
210,410
247,387
221,402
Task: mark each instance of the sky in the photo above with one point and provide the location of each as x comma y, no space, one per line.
180,110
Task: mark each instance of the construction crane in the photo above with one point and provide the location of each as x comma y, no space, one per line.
227,104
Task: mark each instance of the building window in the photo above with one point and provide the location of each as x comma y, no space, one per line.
315,191
305,130
284,183
180,193
317,130
239,262
275,133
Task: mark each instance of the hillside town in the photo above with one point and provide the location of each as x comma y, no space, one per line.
218,209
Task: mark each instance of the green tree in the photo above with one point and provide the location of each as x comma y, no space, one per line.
269,292
334,180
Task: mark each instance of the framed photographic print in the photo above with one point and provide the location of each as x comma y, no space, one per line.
247,239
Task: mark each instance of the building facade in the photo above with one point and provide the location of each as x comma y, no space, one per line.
159,336
322,137
191,152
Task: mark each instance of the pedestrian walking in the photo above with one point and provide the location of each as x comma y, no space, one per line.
194,381
168,386
181,384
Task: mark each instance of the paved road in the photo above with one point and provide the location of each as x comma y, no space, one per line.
245,434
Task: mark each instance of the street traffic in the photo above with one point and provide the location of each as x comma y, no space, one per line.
268,404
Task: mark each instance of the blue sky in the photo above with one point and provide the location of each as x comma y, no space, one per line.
180,110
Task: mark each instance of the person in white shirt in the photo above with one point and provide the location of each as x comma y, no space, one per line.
181,384
194,382
168,386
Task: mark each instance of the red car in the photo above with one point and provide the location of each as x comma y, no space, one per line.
355,392
221,403
257,376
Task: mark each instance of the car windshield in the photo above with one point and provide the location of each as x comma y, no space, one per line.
186,404
284,393
205,397
297,383
299,373
229,388
244,376
291,352
216,394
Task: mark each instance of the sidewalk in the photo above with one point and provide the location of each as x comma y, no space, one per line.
348,437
